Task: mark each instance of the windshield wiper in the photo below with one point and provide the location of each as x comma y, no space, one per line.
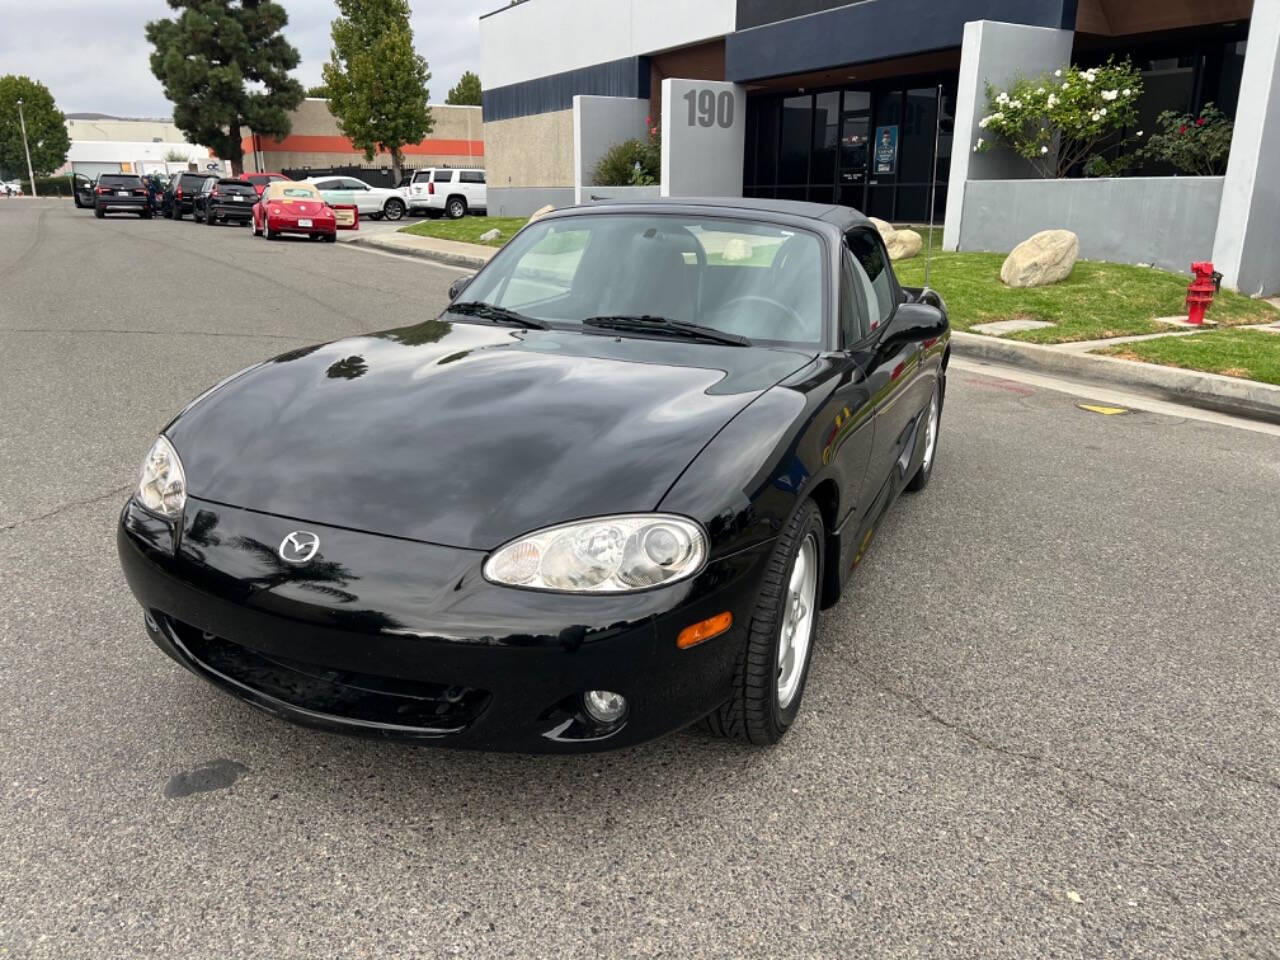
678,328
496,314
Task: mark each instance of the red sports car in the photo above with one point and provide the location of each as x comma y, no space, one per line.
289,207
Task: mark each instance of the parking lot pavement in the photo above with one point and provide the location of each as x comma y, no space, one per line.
1044,723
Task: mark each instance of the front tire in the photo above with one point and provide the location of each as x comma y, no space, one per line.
773,665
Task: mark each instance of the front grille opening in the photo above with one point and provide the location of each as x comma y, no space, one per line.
361,698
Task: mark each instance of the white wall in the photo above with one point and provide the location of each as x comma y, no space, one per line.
703,158
1245,249
542,37
598,124
993,53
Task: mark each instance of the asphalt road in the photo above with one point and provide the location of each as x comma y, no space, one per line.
1046,723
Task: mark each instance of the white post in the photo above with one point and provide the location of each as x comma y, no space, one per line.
27,150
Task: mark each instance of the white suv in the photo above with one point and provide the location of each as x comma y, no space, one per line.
372,202
449,191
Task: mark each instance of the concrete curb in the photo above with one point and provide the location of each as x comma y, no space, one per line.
1211,391
438,256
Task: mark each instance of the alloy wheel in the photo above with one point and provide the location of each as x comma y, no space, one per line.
798,618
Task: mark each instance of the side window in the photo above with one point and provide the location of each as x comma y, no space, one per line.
328,185
353,185
853,292
422,176
872,259
471,176
442,176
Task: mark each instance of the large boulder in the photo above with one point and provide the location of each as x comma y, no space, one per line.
1042,259
541,212
903,244
885,228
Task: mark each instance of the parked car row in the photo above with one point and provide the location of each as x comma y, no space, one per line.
276,204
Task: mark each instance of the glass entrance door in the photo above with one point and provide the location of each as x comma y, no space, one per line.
855,133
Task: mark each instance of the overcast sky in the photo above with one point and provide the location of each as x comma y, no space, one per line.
93,56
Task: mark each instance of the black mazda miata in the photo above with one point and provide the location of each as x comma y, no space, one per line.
601,497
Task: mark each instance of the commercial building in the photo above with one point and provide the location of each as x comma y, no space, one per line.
101,143
315,142
841,104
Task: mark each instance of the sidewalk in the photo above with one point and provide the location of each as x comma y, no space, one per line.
468,255
1211,391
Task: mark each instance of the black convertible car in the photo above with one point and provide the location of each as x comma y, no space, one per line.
603,496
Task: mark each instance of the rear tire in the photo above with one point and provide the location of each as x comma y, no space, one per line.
99,212
393,210
266,231
330,238
769,680
457,208
210,218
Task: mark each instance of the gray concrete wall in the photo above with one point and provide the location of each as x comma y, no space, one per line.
1246,250
599,194
702,154
598,124
993,53
522,201
1165,221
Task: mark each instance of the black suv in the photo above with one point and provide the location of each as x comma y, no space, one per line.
121,191
180,193
226,199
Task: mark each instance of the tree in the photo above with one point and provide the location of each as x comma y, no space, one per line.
466,93
225,64
47,135
320,90
1058,120
377,82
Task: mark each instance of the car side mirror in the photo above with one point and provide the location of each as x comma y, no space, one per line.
913,321
456,288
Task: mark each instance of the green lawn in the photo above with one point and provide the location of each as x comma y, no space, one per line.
1249,354
468,229
1098,300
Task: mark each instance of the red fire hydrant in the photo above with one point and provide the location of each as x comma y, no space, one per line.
1201,290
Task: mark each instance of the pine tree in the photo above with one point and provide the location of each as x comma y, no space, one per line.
225,64
46,128
377,82
466,93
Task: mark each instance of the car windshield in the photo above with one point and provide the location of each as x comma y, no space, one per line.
287,190
748,279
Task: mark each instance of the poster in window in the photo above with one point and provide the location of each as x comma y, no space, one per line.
886,150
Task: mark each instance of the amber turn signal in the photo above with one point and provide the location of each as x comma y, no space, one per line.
694,634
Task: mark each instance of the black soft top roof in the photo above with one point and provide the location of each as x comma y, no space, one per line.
844,218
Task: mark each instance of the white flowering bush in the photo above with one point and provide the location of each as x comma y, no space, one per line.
1059,119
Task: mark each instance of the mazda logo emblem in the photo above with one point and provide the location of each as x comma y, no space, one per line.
299,546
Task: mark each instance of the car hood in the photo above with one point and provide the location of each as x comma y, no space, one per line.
466,434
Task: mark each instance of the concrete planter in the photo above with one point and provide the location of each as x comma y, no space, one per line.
1165,221
596,194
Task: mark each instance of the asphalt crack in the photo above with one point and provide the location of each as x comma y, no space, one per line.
70,505
958,728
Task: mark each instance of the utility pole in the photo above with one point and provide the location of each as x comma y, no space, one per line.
27,150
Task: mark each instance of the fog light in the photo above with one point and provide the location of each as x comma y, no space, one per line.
604,706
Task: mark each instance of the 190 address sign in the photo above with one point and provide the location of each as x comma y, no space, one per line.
707,109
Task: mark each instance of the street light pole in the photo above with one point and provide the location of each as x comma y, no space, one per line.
27,150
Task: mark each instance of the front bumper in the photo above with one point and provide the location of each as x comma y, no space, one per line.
401,639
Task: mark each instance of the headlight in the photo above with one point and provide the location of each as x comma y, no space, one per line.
162,486
605,555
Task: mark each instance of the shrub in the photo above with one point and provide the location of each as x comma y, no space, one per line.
1057,120
631,163
1197,144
